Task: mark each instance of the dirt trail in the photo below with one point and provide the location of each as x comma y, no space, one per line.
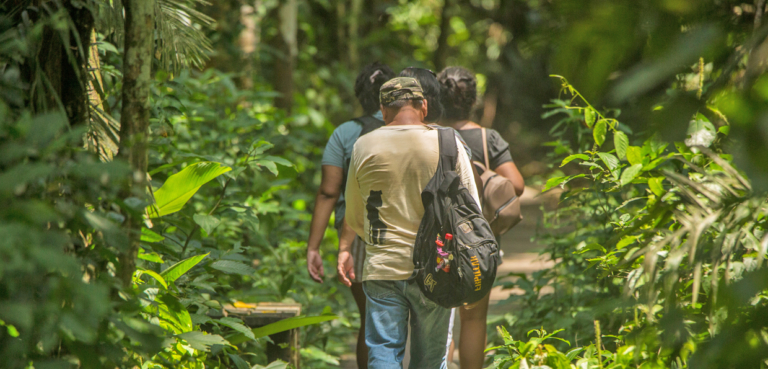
521,255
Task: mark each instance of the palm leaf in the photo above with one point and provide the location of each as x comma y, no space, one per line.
180,38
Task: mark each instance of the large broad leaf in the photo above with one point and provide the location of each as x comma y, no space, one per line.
177,270
201,341
282,326
180,187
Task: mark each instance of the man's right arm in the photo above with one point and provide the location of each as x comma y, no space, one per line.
354,198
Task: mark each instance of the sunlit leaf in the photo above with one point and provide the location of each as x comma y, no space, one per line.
573,157
656,187
154,275
589,117
177,270
599,132
621,142
152,256
180,187
202,341
313,353
634,155
609,159
147,235
553,182
630,174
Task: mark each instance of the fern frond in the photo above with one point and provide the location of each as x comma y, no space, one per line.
179,38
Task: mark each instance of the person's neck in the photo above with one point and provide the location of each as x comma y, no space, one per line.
461,124
406,118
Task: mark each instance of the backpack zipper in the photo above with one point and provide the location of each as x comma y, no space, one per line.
502,207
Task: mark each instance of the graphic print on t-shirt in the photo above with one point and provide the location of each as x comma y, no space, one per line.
377,229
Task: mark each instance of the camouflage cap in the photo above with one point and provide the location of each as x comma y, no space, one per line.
400,88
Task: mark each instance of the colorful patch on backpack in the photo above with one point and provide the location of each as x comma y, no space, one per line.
465,227
430,282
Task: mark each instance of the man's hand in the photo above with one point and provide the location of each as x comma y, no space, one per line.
346,266
315,265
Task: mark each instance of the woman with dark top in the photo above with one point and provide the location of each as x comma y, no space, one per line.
330,196
458,95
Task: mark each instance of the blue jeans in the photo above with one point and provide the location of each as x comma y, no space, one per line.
386,326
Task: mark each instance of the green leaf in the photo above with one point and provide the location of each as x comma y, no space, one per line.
656,187
313,353
172,312
552,182
202,341
152,256
177,270
233,267
147,235
154,275
279,160
725,130
589,117
237,325
634,155
610,161
267,164
207,222
621,142
180,187
630,174
574,157
277,364
239,362
601,129
626,241
282,326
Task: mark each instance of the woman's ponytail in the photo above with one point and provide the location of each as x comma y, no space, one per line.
459,92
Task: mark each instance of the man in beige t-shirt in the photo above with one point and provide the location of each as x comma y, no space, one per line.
390,167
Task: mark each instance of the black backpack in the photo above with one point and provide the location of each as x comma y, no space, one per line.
456,255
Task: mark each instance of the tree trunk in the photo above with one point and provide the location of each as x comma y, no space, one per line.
137,62
441,53
354,34
74,75
247,41
286,45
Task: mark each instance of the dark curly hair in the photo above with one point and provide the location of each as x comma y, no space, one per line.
431,88
459,92
368,84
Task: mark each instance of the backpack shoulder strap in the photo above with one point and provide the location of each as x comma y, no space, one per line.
485,149
448,151
369,123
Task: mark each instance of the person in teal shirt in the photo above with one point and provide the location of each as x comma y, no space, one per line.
330,196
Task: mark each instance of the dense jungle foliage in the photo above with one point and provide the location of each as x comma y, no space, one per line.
653,127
